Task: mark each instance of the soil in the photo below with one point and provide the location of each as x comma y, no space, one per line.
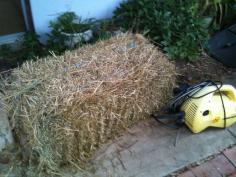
5,66
206,68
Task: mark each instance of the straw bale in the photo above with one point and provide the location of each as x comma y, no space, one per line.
63,108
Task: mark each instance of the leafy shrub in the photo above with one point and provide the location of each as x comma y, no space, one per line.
5,56
230,16
221,12
68,22
102,30
174,24
29,48
5,51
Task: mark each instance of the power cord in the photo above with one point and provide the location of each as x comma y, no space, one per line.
189,93
184,95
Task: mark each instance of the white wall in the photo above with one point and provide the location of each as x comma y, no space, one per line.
45,10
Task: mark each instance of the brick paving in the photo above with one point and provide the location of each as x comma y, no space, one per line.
222,165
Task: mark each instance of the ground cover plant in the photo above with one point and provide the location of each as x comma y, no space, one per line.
180,27
30,48
69,23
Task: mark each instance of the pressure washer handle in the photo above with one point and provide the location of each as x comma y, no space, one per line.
229,91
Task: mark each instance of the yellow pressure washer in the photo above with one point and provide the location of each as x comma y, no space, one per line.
208,104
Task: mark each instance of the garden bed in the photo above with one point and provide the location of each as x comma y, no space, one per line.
205,68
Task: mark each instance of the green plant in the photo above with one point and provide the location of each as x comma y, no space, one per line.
5,51
174,24
221,12
56,42
68,22
230,15
6,57
31,47
102,29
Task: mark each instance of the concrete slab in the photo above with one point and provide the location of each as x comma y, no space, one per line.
151,150
230,79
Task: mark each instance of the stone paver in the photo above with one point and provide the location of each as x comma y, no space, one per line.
222,164
187,174
231,155
151,150
5,130
206,170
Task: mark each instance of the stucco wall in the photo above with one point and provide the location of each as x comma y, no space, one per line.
45,10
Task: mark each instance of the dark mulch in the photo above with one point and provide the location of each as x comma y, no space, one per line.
206,68
6,66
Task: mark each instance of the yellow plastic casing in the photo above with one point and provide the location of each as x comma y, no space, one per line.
208,111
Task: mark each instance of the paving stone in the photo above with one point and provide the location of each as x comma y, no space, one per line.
206,170
5,130
223,165
187,174
231,154
230,79
232,130
153,150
